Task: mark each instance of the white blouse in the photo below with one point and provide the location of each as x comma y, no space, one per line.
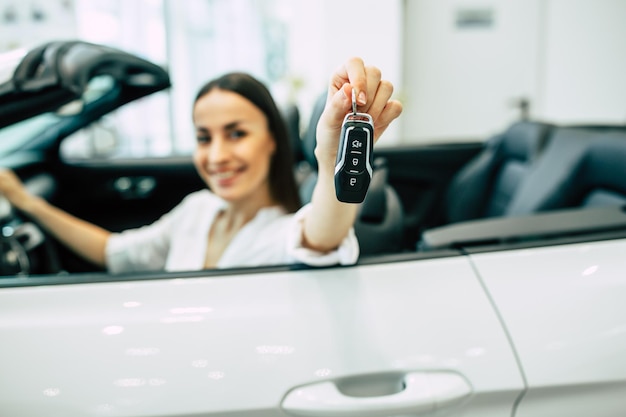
178,240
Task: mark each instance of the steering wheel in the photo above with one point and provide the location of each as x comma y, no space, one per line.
24,248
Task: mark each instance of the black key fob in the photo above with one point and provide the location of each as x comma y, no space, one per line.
353,167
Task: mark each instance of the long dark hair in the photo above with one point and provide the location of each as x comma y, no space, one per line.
282,182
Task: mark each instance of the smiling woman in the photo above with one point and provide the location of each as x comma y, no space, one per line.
242,154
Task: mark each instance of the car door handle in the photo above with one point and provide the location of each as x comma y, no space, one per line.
419,392
135,187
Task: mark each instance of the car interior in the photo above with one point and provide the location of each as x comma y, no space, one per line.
533,181
530,168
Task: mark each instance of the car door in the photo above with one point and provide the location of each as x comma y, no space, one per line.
410,337
564,309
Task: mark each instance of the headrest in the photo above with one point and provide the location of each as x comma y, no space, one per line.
524,140
309,138
291,115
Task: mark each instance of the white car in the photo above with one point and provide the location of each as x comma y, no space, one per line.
503,294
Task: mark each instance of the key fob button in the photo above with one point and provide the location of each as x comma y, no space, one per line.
355,162
353,182
356,140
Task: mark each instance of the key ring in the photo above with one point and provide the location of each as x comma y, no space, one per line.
353,100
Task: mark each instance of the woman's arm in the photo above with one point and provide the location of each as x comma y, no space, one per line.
328,221
86,239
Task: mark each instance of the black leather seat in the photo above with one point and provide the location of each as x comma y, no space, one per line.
580,168
380,222
291,115
535,168
379,226
486,185
308,149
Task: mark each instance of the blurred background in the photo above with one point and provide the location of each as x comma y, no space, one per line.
464,69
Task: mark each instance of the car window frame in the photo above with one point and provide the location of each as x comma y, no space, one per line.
456,250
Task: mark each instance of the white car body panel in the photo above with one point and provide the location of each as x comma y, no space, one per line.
565,309
237,345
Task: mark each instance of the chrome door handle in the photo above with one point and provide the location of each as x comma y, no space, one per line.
422,392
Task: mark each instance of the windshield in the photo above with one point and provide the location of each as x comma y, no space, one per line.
14,136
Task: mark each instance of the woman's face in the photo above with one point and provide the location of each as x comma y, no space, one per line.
234,146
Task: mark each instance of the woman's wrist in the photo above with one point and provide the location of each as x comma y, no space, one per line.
326,150
325,158
31,204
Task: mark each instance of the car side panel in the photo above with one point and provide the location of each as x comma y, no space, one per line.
564,308
236,345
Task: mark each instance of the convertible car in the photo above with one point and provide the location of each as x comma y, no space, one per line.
491,280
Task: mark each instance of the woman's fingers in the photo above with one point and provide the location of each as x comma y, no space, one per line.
379,99
352,72
373,95
391,111
373,77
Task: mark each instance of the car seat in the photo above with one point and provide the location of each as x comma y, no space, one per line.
379,225
580,168
485,186
291,116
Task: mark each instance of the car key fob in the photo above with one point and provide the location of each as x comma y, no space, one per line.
353,167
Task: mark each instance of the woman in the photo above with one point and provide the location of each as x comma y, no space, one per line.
247,218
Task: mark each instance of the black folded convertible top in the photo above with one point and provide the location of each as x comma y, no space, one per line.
56,73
